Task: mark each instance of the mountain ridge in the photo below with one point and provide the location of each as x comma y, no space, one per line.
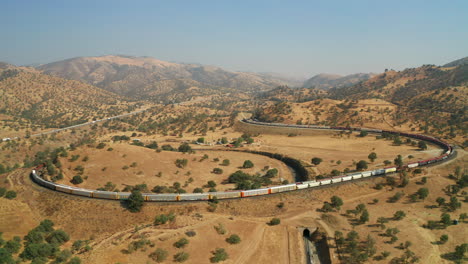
138,76
327,81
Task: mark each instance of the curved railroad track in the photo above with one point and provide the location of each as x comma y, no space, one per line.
448,152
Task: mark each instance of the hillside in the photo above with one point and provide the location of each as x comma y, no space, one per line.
403,87
457,62
327,81
53,101
140,77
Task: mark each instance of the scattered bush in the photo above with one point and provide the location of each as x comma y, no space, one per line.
181,256
76,179
218,171
181,243
159,255
220,229
233,239
219,255
247,164
163,218
274,221
316,161
191,233
10,194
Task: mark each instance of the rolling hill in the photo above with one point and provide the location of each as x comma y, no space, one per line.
53,101
457,62
140,77
327,81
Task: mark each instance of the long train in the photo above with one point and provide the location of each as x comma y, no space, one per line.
448,151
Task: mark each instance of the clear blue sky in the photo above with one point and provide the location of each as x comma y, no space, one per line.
294,37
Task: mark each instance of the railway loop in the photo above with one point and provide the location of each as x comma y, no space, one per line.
448,152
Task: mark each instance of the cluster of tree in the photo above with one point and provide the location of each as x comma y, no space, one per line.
120,138
335,203
164,218
41,244
9,194
175,188
181,163
246,181
352,249
360,211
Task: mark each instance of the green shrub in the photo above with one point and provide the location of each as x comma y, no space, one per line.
233,239
274,221
220,229
10,194
181,243
247,164
181,256
159,255
219,254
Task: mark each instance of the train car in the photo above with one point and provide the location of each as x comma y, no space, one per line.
82,192
325,182
301,185
123,195
366,174
336,179
283,188
313,183
163,197
255,192
356,176
390,169
225,195
63,188
378,172
413,165
194,196
347,178
105,195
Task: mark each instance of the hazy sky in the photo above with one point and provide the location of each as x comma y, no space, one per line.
294,37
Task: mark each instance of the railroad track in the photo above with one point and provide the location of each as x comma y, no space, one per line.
448,153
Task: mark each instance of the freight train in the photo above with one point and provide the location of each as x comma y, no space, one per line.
448,151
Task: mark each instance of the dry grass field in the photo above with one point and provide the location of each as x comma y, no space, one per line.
159,168
111,228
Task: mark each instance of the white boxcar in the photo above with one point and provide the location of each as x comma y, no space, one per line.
162,197
356,175
413,165
335,180
193,196
325,182
105,195
347,178
63,188
313,183
225,195
389,170
82,192
302,186
254,192
283,188
366,174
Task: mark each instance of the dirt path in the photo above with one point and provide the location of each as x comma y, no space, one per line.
252,246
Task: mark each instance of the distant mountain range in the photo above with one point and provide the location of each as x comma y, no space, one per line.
143,77
327,81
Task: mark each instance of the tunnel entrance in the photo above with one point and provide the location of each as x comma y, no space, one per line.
306,233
